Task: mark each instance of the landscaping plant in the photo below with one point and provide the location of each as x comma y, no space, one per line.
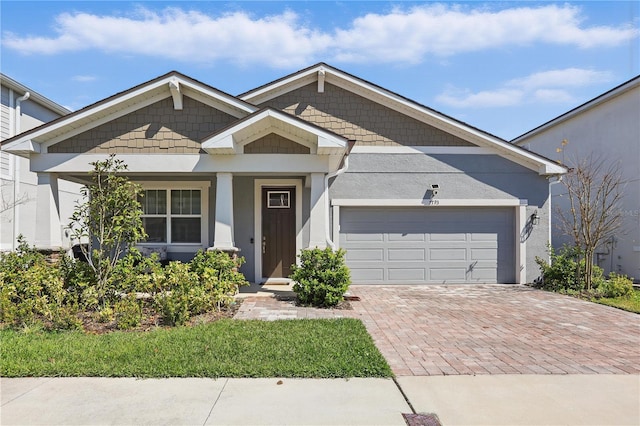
109,220
322,277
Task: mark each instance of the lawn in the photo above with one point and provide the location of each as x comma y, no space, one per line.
225,348
631,304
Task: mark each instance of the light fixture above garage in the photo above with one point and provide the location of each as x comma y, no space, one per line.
535,218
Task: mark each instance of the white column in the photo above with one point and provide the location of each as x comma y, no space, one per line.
317,223
48,226
223,239
521,244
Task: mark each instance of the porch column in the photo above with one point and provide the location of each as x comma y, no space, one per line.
317,222
223,238
48,226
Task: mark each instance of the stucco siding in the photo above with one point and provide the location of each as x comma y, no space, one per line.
275,144
460,177
358,118
156,128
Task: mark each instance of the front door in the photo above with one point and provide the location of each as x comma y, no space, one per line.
278,231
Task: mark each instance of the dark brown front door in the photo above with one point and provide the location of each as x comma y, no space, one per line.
278,231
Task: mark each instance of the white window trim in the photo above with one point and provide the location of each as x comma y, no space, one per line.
204,215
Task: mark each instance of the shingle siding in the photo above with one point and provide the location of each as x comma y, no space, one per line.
355,117
275,144
157,128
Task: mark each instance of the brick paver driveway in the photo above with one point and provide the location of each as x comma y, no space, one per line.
494,329
483,329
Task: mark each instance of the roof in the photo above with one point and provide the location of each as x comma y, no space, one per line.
16,86
605,97
322,72
175,84
170,84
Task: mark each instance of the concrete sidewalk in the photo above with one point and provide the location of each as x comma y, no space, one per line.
457,400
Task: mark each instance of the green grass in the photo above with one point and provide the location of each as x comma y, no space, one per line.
631,304
225,348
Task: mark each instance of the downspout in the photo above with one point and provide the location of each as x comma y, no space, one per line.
16,168
327,206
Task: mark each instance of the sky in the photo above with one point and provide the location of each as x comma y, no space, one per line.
504,67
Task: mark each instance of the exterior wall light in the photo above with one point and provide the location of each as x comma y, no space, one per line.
535,219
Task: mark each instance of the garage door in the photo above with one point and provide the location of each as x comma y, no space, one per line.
421,245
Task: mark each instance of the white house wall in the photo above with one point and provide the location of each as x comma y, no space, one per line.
610,129
18,182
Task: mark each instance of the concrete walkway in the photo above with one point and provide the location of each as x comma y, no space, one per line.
457,400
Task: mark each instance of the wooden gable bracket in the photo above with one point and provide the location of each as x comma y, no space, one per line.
321,73
176,94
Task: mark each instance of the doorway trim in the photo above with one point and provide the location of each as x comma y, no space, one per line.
257,230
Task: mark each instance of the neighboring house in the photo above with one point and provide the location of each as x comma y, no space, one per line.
318,158
23,109
607,126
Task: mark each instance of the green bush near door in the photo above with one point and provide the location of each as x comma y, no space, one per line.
322,277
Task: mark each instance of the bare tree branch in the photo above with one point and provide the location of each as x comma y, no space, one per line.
595,189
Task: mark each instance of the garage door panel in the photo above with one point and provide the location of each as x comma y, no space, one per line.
450,254
365,237
440,275
447,237
428,245
365,254
402,274
406,254
405,237
364,274
483,254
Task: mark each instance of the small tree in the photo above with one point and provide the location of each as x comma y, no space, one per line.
109,219
594,190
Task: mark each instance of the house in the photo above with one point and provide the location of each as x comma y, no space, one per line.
23,109
607,126
317,158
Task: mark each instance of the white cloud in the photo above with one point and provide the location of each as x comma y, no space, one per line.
574,77
405,35
465,99
84,78
547,86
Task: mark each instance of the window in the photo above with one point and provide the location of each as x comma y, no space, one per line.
173,216
278,199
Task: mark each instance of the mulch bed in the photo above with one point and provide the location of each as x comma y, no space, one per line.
153,321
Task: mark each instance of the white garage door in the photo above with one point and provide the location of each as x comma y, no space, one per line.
422,245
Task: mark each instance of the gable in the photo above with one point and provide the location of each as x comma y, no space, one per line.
355,117
156,128
275,144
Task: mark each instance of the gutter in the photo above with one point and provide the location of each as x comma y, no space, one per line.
341,170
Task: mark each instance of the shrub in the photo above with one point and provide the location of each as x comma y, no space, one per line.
322,277
218,276
616,286
565,273
128,313
172,301
32,291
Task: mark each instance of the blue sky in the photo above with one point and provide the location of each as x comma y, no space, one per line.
504,67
